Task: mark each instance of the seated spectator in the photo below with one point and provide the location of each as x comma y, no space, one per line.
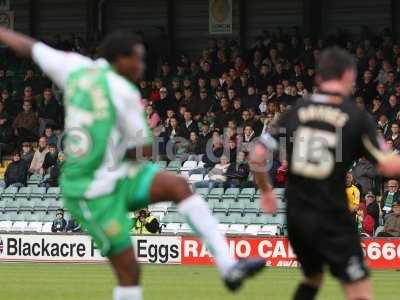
390,197
36,166
193,147
353,194
281,175
210,158
50,135
247,138
17,172
204,136
50,159
364,174
238,172
49,111
217,175
188,125
372,208
54,172
365,223
395,136
59,223
153,119
392,223
73,226
26,124
6,136
27,153
145,223
232,149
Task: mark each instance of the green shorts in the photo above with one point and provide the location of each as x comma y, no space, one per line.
106,217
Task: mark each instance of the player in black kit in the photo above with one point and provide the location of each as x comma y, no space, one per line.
324,135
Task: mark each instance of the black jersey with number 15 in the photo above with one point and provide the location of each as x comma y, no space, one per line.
322,140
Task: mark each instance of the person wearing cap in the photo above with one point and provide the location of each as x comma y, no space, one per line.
17,172
392,223
6,136
145,223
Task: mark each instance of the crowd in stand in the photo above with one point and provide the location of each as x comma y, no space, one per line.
211,108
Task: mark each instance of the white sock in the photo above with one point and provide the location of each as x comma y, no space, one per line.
127,293
205,225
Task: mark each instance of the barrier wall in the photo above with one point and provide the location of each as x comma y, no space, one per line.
186,250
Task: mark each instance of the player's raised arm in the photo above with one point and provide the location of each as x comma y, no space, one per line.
19,42
258,166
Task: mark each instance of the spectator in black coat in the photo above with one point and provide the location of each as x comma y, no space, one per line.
49,111
27,153
214,154
372,208
73,226
6,136
238,172
188,125
50,159
17,172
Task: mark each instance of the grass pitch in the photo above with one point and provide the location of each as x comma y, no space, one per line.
82,282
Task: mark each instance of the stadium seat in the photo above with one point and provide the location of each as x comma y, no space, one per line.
279,193
236,207
19,226
48,217
39,204
34,227
223,227
171,228
174,165
159,207
202,192
236,229
53,205
52,192
195,178
38,191
201,164
211,203
185,229
11,204
24,191
231,193
47,227
189,165
247,193
172,208
25,204
173,218
252,207
220,206
10,191
269,230
2,204
252,229
5,225
162,164
281,205
4,216
215,193
230,219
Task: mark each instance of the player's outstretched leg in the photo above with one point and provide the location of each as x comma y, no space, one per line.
308,288
169,187
360,290
127,271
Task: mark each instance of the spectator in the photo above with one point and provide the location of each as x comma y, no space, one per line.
392,223
59,223
153,119
49,111
211,157
364,174
217,175
26,124
238,172
50,135
372,208
365,223
36,166
281,175
194,147
188,125
204,136
73,226
54,172
27,153
50,159
395,136
6,136
145,223
16,173
391,196
353,194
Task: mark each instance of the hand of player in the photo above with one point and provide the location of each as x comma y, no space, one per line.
390,165
268,201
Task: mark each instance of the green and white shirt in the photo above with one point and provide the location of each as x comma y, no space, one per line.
104,118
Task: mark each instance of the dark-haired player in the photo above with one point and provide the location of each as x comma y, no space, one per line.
102,178
324,135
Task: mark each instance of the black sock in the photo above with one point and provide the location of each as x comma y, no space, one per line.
305,292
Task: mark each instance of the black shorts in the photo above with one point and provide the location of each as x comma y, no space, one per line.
326,239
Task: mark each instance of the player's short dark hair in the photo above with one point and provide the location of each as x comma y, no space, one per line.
119,43
333,62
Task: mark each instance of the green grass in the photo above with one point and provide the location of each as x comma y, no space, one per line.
81,282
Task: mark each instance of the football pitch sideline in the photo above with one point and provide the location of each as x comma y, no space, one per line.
81,282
